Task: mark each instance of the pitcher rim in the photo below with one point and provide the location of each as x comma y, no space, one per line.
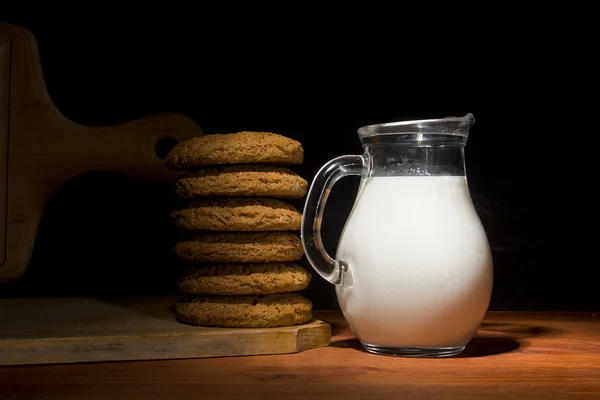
457,126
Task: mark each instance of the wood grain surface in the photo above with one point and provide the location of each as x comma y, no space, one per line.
514,356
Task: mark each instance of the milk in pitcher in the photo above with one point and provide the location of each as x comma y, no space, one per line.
419,266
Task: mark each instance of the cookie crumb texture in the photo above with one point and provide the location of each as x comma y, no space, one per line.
235,148
244,279
242,180
274,310
237,214
254,247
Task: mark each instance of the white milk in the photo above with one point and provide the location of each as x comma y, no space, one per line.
419,263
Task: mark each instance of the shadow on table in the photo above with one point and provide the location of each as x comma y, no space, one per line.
481,346
491,339
518,330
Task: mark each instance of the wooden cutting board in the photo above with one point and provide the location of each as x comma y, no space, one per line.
69,330
40,149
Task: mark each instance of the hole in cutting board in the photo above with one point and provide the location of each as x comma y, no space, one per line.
164,145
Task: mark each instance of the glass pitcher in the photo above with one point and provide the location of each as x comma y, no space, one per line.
413,270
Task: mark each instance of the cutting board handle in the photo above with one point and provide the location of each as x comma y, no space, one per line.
43,148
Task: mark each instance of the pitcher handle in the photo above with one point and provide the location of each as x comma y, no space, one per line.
310,230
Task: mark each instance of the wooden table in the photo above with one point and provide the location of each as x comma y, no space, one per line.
515,355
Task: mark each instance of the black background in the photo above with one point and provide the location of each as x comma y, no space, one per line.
317,76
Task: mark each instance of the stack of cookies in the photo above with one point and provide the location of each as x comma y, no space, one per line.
240,233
